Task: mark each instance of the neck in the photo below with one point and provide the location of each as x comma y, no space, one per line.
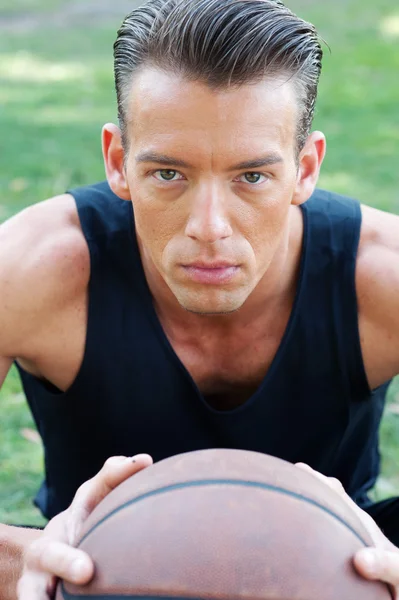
276,287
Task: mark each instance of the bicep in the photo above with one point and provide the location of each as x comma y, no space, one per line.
44,263
378,301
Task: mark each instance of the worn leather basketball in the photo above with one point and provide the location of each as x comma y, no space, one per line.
224,525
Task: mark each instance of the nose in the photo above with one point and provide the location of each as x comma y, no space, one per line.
209,221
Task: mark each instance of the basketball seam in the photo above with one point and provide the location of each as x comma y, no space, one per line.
68,596
209,482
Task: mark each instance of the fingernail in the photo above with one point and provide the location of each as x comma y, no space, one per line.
78,569
370,561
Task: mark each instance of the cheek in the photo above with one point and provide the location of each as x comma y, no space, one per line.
156,224
264,222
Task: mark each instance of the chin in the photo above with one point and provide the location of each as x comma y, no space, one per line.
205,313
226,305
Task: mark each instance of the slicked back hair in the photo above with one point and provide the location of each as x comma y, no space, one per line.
223,43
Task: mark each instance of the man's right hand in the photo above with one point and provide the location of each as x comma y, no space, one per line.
53,555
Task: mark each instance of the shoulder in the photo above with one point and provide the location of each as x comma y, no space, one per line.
378,253
377,285
102,211
44,241
44,264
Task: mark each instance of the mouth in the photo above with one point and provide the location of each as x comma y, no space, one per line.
216,264
211,273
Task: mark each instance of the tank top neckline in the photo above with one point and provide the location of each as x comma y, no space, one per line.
278,358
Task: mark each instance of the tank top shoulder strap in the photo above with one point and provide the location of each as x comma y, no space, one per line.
333,224
101,212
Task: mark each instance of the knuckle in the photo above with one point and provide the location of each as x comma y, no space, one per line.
113,461
109,471
64,561
36,551
83,490
336,484
51,558
86,488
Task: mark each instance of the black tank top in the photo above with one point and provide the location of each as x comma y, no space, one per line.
133,394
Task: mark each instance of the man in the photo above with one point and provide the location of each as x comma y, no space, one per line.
238,308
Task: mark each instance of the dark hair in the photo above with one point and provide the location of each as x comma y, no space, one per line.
222,43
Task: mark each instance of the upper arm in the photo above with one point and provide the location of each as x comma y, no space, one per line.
377,282
43,262
5,364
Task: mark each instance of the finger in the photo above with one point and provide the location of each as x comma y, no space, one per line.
309,469
59,559
379,564
115,470
304,466
374,531
331,481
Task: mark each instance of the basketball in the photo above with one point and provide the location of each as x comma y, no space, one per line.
224,525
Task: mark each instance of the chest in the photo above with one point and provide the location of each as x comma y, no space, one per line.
228,370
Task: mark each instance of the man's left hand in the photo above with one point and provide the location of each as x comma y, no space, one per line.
378,562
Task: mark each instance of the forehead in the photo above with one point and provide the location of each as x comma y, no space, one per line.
165,109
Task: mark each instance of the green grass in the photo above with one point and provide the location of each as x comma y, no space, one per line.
20,459
56,92
12,8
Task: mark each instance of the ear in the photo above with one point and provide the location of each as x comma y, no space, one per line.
114,155
310,161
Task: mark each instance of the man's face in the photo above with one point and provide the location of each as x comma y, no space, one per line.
211,176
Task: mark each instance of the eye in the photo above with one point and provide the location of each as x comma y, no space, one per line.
167,175
252,178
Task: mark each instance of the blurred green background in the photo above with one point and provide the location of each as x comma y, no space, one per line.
56,92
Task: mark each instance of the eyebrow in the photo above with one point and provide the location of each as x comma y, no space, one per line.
170,161
162,159
263,161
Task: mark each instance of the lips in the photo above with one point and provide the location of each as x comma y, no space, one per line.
215,273
210,265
